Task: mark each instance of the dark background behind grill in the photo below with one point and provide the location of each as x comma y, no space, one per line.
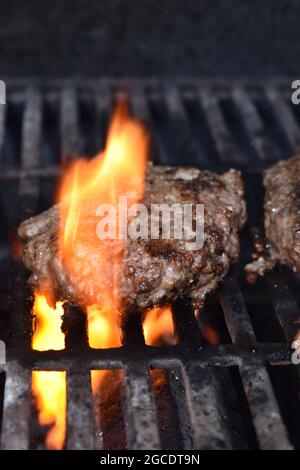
149,37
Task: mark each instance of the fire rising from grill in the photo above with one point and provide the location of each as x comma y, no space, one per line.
104,332
47,325
109,175
88,185
109,277
158,327
49,388
103,328
118,171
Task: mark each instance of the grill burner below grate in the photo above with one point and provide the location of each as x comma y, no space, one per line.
229,383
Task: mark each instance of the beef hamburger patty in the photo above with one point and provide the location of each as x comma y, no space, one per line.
282,218
151,272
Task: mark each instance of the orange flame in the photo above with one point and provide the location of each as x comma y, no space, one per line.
49,388
93,264
47,333
158,327
103,328
159,330
104,332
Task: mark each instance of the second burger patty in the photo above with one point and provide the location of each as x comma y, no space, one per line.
282,211
282,218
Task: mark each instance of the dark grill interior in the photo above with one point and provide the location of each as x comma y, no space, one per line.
229,382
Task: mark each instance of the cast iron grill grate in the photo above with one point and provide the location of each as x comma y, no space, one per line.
228,391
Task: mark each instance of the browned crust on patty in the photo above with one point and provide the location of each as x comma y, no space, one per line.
154,272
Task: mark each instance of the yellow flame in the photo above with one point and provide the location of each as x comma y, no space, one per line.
47,325
49,388
103,328
104,332
93,264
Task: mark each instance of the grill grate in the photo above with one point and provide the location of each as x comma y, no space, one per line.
209,125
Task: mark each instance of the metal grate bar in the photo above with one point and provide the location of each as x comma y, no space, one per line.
141,110
257,385
12,174
69,124
209,431
28,199
285,306
236,315
103,106
181,129
140,411
132,333
253,124
222,139
2,128
285,118
75,329
30,153
178,391
80,428
16,411
219,356
173,102
32,130
270,430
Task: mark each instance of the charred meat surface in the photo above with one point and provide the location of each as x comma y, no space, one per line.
282,218
152,272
